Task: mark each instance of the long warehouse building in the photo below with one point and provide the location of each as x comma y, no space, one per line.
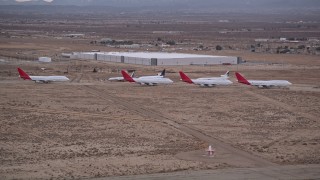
157,58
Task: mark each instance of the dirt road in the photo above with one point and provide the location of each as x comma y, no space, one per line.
230,155
266,173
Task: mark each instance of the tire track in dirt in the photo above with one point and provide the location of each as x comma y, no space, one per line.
77,78
80,77
30,132
71,81
286,107
283,106
245,158
90,79
66,112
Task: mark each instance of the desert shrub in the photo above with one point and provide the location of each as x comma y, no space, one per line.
218,48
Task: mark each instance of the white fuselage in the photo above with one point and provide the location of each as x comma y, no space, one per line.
153,80
212,78
47,79
143,77
116,79
122,79
270,83
211,81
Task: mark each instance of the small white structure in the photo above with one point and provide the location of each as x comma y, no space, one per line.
210,151
132,46
283,39
74,35
44,59
261,40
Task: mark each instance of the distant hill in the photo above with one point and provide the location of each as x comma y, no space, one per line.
193,3
176,3
32,2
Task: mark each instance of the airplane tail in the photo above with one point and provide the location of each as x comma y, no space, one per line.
23,74
126,76
163,73
132,74
226,75
241,79
185,78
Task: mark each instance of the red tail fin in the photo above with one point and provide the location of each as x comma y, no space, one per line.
23,75
241,79
126,76
185,78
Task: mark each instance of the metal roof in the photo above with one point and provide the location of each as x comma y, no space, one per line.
158,55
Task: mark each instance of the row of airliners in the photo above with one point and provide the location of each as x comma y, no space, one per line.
206,81
161,79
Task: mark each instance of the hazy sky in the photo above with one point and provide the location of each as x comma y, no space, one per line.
176,3
30,0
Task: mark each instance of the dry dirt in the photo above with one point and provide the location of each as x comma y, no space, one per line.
90,127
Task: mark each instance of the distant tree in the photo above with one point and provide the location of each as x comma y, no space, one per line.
201,47
291,38
171,42
318,48
159,39
218,48
301,47
129,42
284,51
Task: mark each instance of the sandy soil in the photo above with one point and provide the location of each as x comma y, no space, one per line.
90,127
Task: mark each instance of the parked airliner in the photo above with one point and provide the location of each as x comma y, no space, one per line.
159,75
41,79
226,76
151,80
209,82
119,78
262,83
162,74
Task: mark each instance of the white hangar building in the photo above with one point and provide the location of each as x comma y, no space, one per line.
157,58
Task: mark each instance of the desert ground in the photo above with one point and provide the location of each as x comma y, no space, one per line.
90,127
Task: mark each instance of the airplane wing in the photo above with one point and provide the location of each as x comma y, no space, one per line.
151,84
